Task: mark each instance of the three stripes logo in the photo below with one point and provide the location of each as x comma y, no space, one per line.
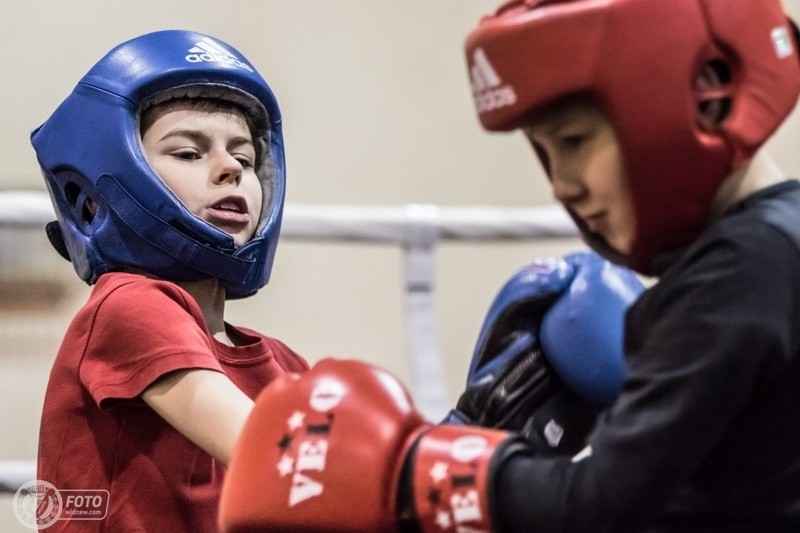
210,50
487,87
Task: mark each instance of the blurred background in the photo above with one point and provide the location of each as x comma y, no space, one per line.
377,111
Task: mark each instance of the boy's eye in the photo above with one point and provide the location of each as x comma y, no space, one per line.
244,161
187,155
573,141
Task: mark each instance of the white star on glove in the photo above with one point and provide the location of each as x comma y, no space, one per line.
285,465
443,519
439,471
296,420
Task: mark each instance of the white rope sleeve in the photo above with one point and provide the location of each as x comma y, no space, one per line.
14,474
20,209
427,370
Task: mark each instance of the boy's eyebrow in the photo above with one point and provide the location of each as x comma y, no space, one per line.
557,122
550,127
239,141
554,125
198,136
190,134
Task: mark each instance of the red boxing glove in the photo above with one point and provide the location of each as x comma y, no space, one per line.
333,449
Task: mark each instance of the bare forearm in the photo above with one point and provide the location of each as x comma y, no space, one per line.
204,406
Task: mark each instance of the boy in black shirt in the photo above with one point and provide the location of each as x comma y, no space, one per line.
648,117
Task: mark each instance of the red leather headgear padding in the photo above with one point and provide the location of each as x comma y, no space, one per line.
639,60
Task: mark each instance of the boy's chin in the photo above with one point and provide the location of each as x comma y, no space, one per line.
622,244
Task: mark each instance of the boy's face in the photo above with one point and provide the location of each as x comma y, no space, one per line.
207,159
582,155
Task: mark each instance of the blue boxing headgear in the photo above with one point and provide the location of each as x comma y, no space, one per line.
113,210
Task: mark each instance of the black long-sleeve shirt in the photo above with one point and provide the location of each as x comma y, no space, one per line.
706,433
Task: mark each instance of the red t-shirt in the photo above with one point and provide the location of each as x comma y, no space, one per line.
96,433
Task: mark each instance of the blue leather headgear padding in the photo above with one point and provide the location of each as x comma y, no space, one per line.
90,148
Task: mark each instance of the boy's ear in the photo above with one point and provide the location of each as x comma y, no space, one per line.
56,238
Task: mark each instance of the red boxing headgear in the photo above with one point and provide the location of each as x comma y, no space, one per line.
640,61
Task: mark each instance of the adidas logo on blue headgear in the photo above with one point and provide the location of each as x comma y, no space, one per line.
208,49
113,211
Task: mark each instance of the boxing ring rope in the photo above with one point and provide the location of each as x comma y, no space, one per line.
415,228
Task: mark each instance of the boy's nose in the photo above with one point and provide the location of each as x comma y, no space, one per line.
228,168
566,188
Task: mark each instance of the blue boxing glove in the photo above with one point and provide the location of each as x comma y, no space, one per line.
549,355
582,332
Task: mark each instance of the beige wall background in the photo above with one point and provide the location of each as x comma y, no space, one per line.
377,110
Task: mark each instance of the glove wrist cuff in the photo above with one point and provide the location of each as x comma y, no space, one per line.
451,474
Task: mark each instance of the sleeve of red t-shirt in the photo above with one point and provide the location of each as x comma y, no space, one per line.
143,330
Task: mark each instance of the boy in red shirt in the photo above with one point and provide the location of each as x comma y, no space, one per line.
166,169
